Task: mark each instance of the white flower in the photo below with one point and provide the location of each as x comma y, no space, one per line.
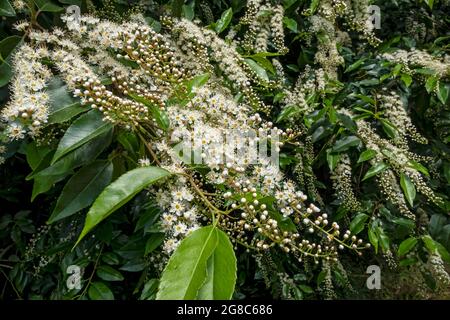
144,162
177,207
170,245
179,229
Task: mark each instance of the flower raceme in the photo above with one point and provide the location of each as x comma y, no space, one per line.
146,83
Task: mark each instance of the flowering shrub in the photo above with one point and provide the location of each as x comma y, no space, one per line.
196,150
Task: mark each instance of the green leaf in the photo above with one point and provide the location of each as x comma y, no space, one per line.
63,106
357,224
155,240
6,10
177,6
347,122
186,270
407,79
409,190
406,246
82,130
265,63
36,154
431,84
5,72
291,24
443,92
332,159
221,271
367,155
419,167
47,6
355,65
46,178
443,252
100,291
188,10
376,169
383,239
82,189
7,45
314,5
158,114
149,289
120,192
259,71
108,273
430,3
224,20
373,238
197,82
389,128
346,143
430,244
287,113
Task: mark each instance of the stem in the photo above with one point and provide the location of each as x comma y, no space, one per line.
91,276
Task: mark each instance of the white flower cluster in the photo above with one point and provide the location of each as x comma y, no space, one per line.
264,23
203,47
416,58
311,81
180,216
394,109
342,183
126,71
28,107
436,267
400,161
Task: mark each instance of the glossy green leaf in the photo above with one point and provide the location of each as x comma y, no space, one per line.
373,238
443,92
82,189
407,79
221,271
291,24
419,167
48,6
332,159
108,273
389,128
158,114
259,71
406,246
186,270
355,65
430,244
63,106
367,155
155,240
120,192
82,130
357,224
409,190
47,177
376,169
100,291
287,113
36,154
224,20
5,72
346,143
197,82
431,84
6,10
7,46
